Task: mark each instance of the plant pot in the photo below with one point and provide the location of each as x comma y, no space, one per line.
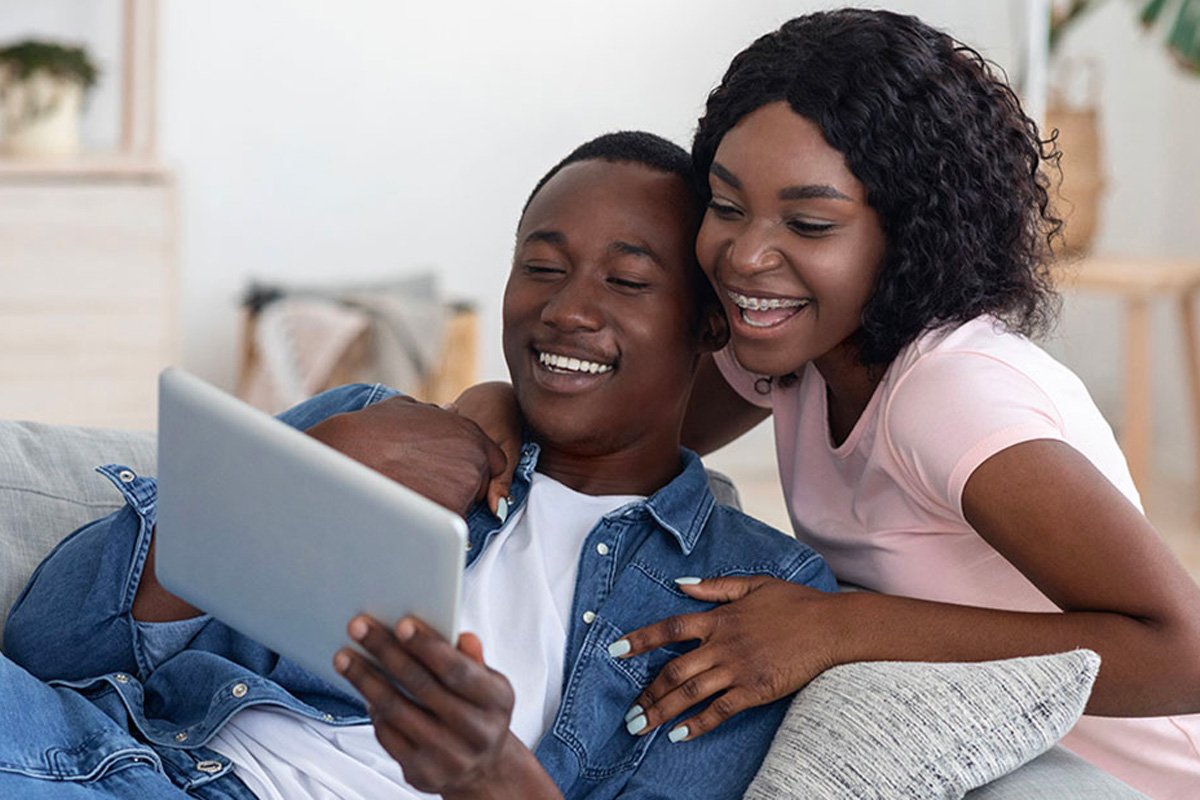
1077,198
41,116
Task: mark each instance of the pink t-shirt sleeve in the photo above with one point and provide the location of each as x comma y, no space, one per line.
739,378
953,411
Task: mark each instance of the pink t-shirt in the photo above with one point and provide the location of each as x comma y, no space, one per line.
885,507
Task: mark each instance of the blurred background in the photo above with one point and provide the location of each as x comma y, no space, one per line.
285,193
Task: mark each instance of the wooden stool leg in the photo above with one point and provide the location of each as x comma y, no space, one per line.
1137,428
1191,338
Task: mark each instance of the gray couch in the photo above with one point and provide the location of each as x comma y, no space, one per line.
48,488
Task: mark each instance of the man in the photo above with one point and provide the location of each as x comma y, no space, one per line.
605,318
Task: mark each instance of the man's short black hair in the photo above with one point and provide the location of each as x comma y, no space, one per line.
634,147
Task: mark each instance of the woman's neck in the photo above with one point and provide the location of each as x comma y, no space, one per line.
849,386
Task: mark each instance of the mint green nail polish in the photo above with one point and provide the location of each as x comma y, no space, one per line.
688,581
502,510
619,648
634,711
636,725
679,734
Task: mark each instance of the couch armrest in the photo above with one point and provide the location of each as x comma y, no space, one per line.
1057,774
48,488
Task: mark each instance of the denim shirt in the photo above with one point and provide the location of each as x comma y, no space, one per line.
173,685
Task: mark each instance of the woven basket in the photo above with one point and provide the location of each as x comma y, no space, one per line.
1083,180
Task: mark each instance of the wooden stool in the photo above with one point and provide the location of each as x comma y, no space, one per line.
1137,280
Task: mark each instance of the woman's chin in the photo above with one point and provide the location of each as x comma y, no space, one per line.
763,358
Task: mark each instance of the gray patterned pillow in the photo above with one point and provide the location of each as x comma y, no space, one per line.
887,729
48,488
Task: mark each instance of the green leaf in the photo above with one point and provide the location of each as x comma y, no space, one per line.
1151,10
1184,37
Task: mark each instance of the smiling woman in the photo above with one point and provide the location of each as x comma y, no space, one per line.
879,233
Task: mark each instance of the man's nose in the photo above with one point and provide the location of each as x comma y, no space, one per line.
574,306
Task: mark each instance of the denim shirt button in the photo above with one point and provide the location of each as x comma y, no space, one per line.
126,476
327,717
182,736
602,549
209,767
239,690
121,677
589,617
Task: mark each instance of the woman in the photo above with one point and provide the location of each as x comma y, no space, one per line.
878,232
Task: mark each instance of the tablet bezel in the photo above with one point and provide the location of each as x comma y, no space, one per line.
246,505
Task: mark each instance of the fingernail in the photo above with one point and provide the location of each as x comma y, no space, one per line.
635,725
502,510
634,710
619,648
341,662
405,629
679,734
358,629
688,581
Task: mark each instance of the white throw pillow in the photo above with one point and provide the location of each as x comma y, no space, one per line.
885,729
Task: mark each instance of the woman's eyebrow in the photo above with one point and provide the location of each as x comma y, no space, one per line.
725,175
816,191
812,191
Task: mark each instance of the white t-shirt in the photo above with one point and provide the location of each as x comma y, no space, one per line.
517,598
885,506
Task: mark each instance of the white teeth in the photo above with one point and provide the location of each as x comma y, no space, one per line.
567,364
763,303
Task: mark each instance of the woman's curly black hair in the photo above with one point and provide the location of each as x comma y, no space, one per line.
950,162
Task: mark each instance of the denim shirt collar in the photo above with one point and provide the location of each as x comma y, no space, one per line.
681,508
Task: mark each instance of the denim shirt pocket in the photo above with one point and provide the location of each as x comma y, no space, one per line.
601,688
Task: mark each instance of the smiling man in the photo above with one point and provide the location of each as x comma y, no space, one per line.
606,316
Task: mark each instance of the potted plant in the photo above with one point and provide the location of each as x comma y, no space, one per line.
1077,124
42,88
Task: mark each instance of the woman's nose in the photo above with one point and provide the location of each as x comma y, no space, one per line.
753,250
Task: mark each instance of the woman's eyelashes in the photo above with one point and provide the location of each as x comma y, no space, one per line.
723,210
809,228
802,226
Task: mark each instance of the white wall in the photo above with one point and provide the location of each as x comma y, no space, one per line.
364,138
371,137
1151,128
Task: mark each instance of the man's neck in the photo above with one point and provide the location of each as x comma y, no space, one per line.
637,470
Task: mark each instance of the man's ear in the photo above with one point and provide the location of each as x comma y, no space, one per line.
714,330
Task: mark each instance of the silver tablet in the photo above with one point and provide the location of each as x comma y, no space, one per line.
285,539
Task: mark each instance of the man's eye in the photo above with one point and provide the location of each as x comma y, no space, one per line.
542,270
626,283
809,228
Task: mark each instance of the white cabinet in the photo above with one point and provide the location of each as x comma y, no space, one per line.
88,295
